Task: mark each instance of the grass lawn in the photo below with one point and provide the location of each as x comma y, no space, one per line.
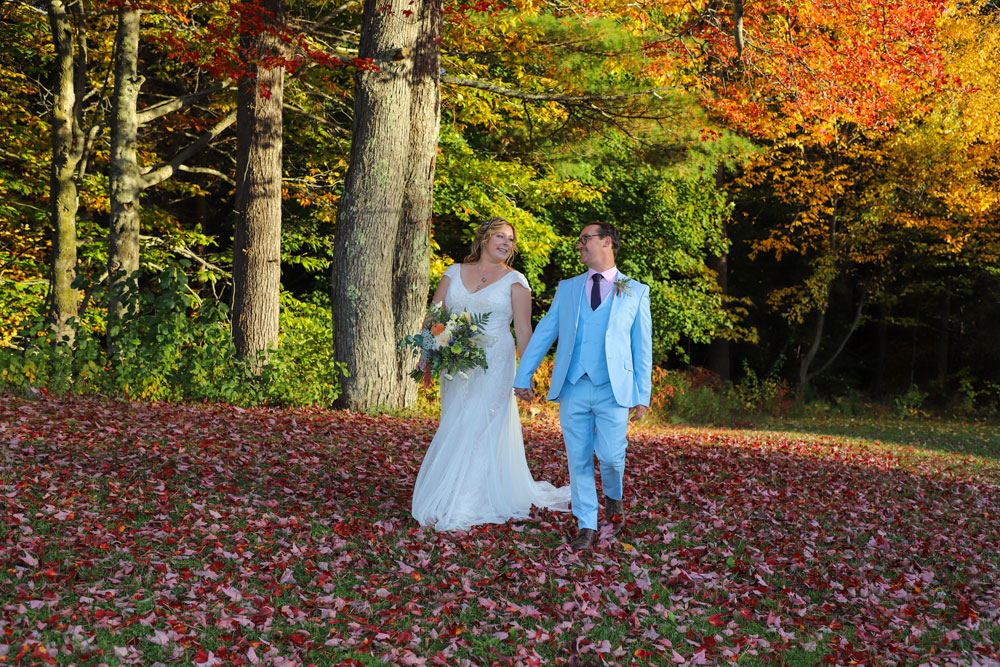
944,435
211,535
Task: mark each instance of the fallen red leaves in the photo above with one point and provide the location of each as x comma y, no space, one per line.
137,534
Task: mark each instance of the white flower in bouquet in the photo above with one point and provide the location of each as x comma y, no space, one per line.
443,339
448,344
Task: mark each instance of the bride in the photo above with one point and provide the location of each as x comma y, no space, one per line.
475,469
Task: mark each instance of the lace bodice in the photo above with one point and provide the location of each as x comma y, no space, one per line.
493,299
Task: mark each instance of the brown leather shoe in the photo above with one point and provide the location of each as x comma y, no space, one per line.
583,540
614,513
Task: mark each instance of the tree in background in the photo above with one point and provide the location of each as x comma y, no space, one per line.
550,115
818,206
507,60
127,179
259,173
942,185
381,247
820,87
630,148
71,143
124,180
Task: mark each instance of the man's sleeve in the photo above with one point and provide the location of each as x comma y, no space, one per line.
642,349
541,340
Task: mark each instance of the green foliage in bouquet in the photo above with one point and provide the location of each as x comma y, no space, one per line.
449,344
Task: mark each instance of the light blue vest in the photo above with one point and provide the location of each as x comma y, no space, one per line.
589,355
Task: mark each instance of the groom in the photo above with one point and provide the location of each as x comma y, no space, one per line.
602,370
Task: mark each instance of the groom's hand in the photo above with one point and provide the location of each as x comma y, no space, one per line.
638,412
525,394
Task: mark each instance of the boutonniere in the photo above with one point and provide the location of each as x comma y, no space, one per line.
622,287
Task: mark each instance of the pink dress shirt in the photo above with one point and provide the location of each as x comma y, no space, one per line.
606,285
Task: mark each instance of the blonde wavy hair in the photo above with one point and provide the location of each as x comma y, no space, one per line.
482,236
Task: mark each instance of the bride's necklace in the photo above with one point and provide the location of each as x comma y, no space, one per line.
483,277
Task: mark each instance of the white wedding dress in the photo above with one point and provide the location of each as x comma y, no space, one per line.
475,470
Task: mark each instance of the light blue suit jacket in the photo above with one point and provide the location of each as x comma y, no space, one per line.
628,343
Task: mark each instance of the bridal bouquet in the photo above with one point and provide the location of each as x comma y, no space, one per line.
448,344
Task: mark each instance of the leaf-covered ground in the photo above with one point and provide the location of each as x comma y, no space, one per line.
145,534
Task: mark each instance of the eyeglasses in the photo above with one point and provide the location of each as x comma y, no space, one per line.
586,237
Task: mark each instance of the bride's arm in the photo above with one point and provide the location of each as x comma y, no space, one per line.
439,294
441,291
520,299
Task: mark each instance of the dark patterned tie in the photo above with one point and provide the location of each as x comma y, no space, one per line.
595,292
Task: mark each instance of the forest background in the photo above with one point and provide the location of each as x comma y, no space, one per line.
810,190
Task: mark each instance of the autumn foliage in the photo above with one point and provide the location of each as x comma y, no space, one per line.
772,66
854,144
214,535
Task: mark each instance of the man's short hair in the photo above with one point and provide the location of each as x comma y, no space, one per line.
608,229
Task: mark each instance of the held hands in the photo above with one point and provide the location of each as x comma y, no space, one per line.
528,394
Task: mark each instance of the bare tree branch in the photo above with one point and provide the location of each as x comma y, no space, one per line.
207,170
161,172
165,107
862,302
738,27
319,119
315,27
318,92
31,6
25,283
183,251
544,97
88,144
90,293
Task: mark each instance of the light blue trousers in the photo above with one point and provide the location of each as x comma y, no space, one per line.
592,423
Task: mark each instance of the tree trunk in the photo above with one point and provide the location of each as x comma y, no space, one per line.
810,356
718,349
68,143
805,376
412,266
738,37
257,242
881,350
125,181
941,343
379,276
